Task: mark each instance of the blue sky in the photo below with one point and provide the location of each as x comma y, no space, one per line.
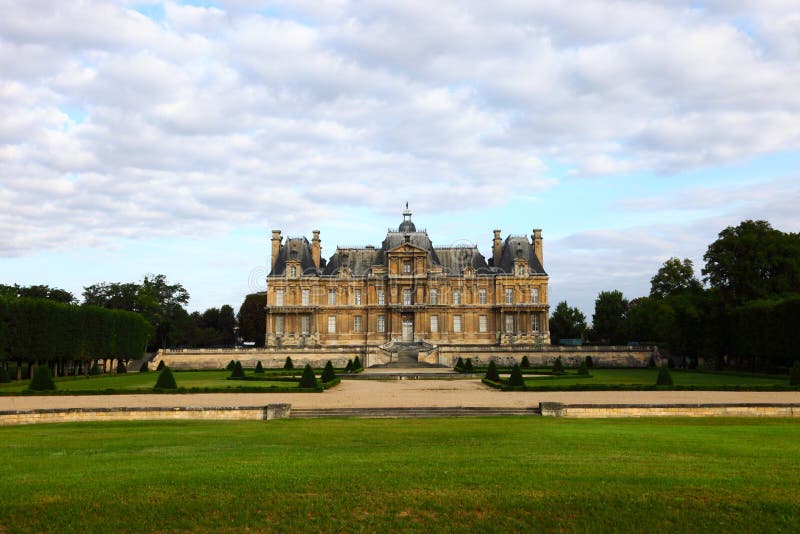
169,137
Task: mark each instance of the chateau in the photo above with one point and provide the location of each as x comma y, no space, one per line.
407,298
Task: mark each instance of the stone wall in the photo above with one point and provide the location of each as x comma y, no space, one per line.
269,358
609,356
583,411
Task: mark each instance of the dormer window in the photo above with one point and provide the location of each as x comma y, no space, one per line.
293,271
407,267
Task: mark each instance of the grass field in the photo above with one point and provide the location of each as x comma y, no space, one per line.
435,475
648,377
138,381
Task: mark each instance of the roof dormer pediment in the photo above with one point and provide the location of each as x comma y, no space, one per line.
407,248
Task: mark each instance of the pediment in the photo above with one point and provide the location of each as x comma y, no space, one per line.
407,248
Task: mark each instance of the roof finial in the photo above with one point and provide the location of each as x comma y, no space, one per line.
406,204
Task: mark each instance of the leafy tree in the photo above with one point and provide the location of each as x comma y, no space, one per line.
608,321
566,323
794,374
37,292
664,376
516,377
650,319
308,380
259,368
165,380
42,379
328,373
525,363
288,364
238,370
558,366
752,261
675,276
491,372
160,302
113,295
252,319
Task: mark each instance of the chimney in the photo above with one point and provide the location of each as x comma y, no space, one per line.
276,246
537,245
497,248
316,249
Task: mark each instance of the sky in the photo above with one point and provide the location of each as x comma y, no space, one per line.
172,137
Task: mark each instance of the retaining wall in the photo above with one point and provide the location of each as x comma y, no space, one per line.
584,411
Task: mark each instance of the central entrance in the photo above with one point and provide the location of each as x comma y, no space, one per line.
408,329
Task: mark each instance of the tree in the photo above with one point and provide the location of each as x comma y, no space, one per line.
114,295
37,292
650,319
566,323
794,374
608,321
165,380
674,277
252,318
753,261
308,380
491,372
516,377
160,302
328,373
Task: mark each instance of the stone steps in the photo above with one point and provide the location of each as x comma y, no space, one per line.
418,412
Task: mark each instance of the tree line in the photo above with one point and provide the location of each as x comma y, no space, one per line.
743,313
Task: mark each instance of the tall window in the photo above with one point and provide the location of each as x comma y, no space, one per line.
535,295
279,297
482,296
407,267
331,297
381,297
331,324
434,324
509,324
305,324
456,323
279,324
381,323
434,296
306,297
535,322
407,297
509,295
357,297
456,296
357,324
293,270
483,325
520,270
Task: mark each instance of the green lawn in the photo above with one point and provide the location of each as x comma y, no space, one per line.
433,475
648,377
138,381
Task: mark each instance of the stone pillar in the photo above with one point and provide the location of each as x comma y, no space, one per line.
497,248
316,248
537,245
276,246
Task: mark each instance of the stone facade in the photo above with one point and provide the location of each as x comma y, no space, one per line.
406,295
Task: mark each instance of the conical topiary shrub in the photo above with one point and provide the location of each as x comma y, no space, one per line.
95,370
664,377
4,378
525,363
491,372
165,379
459,364
349,367
357,364
145,367
121,369
516,377
583,370
288,363
259,368
651,362
238,370
42,379
468,365
230,366
558,367
589,362
309,379
794,374
161,365
328,373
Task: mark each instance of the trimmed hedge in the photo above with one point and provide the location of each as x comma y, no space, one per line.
42,379
121,369
145,367
259,368
328,373
516,380
664,377
288,364
165,380
491,372
583,369
558,366
357,364
459,366
309,379
161,365
525,363
238,370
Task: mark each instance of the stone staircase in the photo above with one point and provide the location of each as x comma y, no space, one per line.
418,412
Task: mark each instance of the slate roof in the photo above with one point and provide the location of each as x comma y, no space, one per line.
518,247
455,259
294,248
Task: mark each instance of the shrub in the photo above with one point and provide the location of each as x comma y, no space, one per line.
288,363
651,362
664,377
516,377
794,374
145,367
328,373
349,367
558,366
589,362
121,369
670,363
229,367
95,370
357,364
259,368
308,380
161,365
583,369
459,364
238,370
165,379
468,365
42,379
491,372
525,363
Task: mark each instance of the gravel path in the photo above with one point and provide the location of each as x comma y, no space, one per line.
402,393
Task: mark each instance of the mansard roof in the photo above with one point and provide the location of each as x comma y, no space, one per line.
455,259
358,260
518,247
294,248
